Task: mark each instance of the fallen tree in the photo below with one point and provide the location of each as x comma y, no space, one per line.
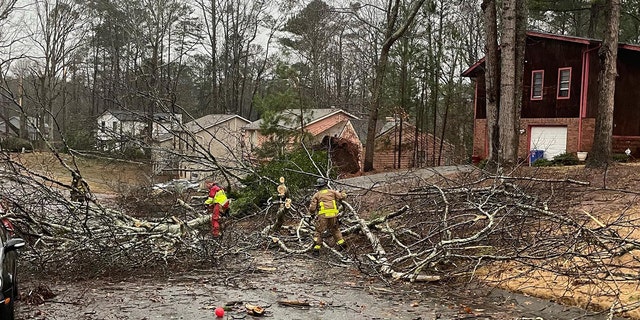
450,228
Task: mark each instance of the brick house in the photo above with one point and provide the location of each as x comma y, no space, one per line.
317,123
399,145
559,101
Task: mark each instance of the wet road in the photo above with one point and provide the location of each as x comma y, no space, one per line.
330,290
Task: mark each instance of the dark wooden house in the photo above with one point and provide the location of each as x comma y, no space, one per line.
560,96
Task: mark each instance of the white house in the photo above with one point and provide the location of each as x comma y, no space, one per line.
14,127
119,128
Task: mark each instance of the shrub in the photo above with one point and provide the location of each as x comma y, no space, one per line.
619,157
15,144
482,163
81,139
133,153
566,159
542,162
294,166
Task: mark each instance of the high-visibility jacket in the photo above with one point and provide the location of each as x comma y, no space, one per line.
325,202
216,195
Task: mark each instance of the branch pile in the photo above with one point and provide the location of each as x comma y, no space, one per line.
427,233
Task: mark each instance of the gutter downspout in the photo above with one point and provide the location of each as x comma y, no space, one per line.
584,90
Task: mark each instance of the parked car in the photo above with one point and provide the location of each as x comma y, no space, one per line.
177,185
9,271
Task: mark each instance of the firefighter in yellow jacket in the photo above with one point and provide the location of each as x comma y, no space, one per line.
325,204
217,203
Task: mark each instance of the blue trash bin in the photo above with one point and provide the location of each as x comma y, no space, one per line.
535,155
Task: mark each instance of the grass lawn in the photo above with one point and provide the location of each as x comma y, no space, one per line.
103,175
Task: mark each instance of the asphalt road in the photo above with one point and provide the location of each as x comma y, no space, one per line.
405,177
328,289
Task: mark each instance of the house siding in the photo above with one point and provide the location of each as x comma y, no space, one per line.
222,140
326,123
577,112
480,142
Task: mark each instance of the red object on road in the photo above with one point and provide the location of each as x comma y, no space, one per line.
219,312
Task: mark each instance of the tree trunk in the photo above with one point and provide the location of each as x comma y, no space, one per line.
521,40
508,151
600,154
391,36
491,80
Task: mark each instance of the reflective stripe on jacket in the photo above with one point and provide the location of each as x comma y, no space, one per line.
325,202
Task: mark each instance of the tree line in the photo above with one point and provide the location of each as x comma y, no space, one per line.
63,62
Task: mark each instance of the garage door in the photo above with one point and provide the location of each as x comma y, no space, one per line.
553,140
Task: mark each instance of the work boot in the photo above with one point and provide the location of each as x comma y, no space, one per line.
341,245
316,250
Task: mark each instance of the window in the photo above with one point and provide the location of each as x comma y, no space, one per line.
564,83
537,82
103,124
114,126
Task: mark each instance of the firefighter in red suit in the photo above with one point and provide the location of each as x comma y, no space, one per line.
217,203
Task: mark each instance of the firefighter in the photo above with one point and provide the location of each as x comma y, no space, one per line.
325,204
218,203
79,188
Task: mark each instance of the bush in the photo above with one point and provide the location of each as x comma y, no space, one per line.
566,159
542,162
620,157
133,153
482,163
80,140
15,144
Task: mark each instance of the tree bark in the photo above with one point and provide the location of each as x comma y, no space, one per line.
508,152
391,35
491,80
600,154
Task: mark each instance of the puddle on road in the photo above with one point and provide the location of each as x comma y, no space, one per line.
337,293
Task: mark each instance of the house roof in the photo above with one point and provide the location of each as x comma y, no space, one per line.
288,117
210,120
472,71
14,122
362,126
127,115
204,123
